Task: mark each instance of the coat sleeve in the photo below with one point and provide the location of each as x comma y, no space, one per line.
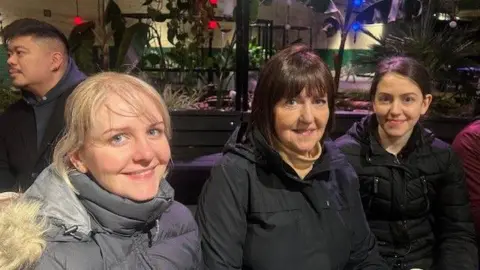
454,225
364,253
467,146
7,180
221,216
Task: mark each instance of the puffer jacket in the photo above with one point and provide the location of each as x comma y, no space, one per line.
256,213
416,202
95,229
22,239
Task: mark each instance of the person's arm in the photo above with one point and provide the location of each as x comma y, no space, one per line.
454,226
7,180
364,253
221,216
467,147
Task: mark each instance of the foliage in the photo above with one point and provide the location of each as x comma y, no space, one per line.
129,44
443,53
181,98
256,54
187,29
7,96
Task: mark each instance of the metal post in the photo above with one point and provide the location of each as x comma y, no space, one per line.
210,56
241,55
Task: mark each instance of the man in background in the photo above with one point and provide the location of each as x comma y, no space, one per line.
40,66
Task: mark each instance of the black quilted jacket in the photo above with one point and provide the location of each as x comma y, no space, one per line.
416,202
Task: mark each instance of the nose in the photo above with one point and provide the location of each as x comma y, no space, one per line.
11,60
143,152
396,108
306,113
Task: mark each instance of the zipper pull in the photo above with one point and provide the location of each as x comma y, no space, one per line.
375,185
396,160
424,184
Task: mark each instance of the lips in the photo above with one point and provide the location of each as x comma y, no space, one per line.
13,71
396,122
141,174
304,132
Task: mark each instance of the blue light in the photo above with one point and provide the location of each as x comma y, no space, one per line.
357,3
356,26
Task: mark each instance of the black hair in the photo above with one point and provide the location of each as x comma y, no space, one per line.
405,66
35,28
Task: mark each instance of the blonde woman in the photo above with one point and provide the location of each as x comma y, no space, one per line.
105,195
21,233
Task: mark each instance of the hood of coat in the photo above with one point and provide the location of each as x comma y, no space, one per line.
22,239
91,208
72,77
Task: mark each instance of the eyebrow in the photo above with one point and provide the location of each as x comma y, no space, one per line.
123,129
18,47
406,94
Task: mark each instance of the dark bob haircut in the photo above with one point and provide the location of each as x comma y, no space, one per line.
285,75
405,66
34,28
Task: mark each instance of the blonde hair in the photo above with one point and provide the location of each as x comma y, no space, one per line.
86,100
21,234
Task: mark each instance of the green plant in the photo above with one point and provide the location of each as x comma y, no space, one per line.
443,52
7,96
129,44
256,54
448,104
181,98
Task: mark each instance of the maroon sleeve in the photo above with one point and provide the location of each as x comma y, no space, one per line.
467,147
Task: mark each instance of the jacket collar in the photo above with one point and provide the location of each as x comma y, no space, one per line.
330,159
72,77
65,209
116,214
366,131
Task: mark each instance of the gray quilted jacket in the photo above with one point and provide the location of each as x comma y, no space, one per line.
95,229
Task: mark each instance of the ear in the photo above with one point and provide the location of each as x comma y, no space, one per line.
427,100
76,160
57,61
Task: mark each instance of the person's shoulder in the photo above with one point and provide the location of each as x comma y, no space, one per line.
234,162
469,135
348,144
12,110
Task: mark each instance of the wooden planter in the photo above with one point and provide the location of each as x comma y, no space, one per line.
199,137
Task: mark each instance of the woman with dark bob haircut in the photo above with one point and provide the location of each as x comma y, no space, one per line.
283,197
412,185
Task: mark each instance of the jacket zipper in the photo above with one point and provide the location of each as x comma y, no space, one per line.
375,185
404,204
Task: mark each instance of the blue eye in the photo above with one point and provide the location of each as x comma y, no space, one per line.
155,132
118,138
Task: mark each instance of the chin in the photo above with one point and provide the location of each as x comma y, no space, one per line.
18,84
396,133
142,196
304,149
